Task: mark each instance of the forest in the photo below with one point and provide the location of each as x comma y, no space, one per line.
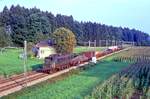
19,23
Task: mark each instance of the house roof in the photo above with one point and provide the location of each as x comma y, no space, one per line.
45,43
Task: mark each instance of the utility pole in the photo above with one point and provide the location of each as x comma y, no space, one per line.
95,45
100,43
89,44
106,43
25,62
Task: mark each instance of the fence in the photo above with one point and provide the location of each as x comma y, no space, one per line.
105,43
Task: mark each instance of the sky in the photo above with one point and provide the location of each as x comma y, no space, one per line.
125,13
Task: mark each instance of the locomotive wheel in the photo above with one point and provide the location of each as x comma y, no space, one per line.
67,66
50,72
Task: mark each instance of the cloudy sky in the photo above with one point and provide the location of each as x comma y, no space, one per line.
125,13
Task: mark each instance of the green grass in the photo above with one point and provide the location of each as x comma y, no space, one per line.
75,86
80,49
10,63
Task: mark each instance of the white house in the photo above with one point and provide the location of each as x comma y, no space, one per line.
44,49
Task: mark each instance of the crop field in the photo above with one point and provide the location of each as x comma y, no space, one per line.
133,82
135,52
74,86
10,63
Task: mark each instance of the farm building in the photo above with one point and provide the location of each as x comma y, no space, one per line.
44,49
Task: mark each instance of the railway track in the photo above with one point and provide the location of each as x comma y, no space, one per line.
15,77
21,82
18,82
21,79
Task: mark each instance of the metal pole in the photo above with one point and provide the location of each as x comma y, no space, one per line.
113,42
99,43
89,44
25,62
95,45
106,43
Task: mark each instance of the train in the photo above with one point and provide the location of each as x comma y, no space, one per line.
58,62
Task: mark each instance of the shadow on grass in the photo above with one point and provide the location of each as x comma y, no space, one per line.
104,69
37,67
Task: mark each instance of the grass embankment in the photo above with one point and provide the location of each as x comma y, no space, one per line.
10,63
75,86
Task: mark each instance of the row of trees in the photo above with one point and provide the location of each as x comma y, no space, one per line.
18,24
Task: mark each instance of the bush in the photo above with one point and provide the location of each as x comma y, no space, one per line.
64,40
29,49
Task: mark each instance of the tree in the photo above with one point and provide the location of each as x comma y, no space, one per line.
41,36
5,16
64,39
38,26
19,29
4,38
34,25
52,21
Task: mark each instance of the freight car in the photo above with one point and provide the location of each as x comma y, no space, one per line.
114,48
57,62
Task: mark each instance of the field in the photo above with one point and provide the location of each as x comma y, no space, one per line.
122,76
133,82
75,86
10,63
82,49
